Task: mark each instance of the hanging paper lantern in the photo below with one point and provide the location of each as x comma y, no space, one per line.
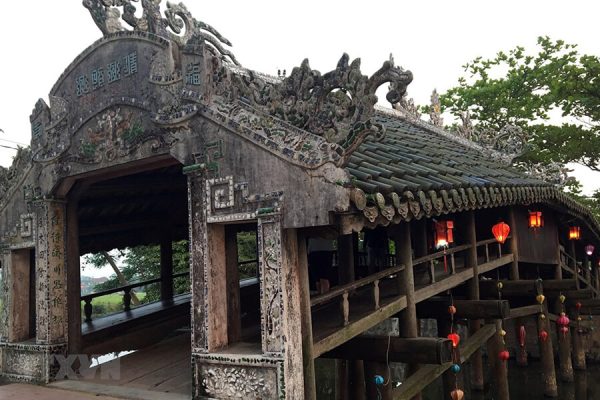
562,298
563,320
500,285
379,380
578,306
578,318
452,310
504,355
455,338
502,332
443,233
574,233
564,329
457,394
540,298
535,219
589,249
543,335
501,231
455,368
522,334
542,316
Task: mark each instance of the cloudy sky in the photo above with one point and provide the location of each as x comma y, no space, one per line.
433,39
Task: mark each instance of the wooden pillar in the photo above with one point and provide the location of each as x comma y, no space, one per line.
514,245
546,351
564,355
346,274
19,273
579,362
358,389
473,288
499,367
408,317
166,267
308,362
234,314
73,274
573,254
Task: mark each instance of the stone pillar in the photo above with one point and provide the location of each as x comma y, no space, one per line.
51,273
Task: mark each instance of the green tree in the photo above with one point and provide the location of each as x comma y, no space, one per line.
554,96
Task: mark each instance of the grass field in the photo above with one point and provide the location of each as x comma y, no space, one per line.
111,303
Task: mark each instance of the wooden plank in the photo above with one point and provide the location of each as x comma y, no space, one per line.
415,383
525,287
524,311
421,350
437,307
234,313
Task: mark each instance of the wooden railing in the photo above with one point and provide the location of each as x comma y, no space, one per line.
490,249
87,299
344,291
580,273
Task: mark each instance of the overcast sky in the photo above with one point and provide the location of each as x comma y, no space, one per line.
433,39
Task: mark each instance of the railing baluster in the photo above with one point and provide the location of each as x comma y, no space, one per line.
376,293
345,309
432,271
127,299
87,309
452,264
487,253
499,250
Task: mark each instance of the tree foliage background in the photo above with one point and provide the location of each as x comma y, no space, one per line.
552,93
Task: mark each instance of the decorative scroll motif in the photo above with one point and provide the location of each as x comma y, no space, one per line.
337,106
435,113
178,24
27,221
239,382
269,256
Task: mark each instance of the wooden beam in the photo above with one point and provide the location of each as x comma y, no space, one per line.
415,383
422,350
470,309
524,287
524,311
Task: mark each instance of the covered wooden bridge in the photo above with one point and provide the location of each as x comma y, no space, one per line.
366,221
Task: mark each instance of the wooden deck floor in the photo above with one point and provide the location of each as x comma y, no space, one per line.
161,371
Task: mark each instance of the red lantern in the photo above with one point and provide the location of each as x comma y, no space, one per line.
501,231
574,233
455,338
564,329
563,320
452,310
578,306
535,219
504,355
543,336
443,233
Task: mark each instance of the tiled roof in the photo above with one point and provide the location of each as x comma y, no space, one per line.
417,170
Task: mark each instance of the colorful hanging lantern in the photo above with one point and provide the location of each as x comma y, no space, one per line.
452,310
535,219
455,338
501,231
578,306
563,323
562,298
589,249
444,235
574,233
504,355
543,336
455,368
540,298
457,394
